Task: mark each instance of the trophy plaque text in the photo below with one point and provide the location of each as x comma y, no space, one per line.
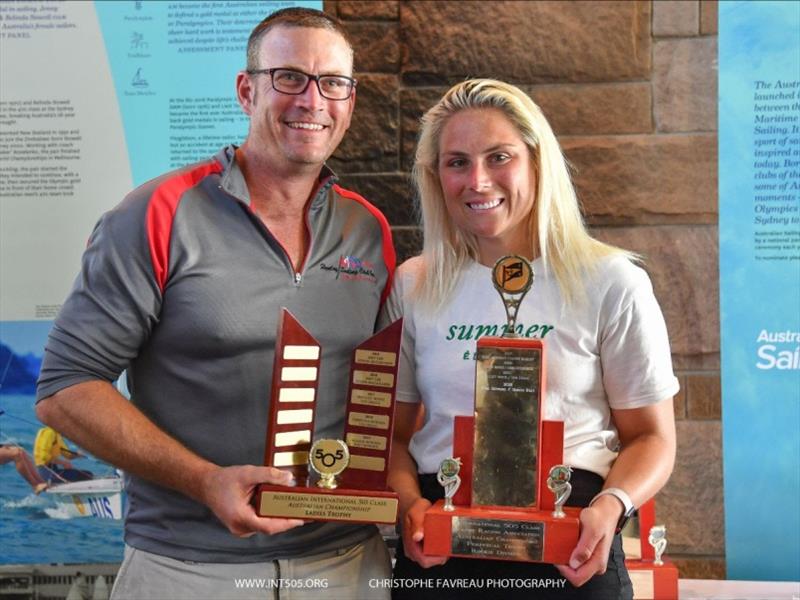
510,472
644,542
346,480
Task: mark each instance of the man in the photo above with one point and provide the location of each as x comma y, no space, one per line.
182,284
51,456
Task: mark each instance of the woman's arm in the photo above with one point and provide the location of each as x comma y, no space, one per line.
645,461
403,479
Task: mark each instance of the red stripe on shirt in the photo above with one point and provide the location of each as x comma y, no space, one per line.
161,213
389,256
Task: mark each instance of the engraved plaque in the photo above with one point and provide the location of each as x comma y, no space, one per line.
373,378
496,538
368,420
362,440
371,398
376,357
329,507
506,435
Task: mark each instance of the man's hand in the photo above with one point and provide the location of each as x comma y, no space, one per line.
590,556
228,490
413,535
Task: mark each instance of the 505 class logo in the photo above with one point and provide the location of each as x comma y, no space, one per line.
352,268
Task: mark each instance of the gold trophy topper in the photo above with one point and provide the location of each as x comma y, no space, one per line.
512,277
328,457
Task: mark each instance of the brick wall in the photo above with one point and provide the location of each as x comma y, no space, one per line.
631,90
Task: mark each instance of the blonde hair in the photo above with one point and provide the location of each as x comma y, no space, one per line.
558,232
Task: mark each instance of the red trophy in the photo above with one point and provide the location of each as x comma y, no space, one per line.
644,544
506,487
347,480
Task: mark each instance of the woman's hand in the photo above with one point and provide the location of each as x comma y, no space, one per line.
590,556
413,535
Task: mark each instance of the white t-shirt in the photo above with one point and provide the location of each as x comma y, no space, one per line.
610,352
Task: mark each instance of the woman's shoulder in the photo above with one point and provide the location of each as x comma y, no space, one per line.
618,271
411,266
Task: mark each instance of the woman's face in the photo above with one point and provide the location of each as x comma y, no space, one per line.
488,181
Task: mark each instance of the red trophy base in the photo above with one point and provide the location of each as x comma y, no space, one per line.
651,581
501,534
340,504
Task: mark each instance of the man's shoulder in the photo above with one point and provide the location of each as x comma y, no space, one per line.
173,183
361,202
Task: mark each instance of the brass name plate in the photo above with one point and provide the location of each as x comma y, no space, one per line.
643,583
494,538
371,398
373,378
506,434
376,357
332,507
362,440
358,419
367,463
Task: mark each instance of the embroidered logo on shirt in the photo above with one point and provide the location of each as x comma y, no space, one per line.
352,268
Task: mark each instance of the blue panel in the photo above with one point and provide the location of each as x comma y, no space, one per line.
759,240
174,66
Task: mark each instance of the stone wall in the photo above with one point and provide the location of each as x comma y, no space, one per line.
630,88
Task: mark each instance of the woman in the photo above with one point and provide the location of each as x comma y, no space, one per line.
492,181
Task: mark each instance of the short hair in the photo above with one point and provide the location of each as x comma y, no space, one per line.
557,229
292,17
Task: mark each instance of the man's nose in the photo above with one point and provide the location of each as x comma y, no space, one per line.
312,99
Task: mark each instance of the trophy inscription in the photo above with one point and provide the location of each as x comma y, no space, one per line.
351,473
501,539
502,509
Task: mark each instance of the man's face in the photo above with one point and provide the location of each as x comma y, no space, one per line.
301,130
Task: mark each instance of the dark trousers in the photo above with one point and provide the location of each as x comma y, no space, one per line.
467,578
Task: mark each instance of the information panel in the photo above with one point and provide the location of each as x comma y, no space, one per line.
759,213
95,99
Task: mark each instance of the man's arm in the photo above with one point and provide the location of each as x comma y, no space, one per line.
96,417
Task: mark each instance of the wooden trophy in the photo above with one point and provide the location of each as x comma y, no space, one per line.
506,487
644,543
347,479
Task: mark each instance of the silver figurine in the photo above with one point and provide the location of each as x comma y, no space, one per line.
558,483
448,478
658,540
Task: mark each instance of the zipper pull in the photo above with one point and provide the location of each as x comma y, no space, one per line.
297,278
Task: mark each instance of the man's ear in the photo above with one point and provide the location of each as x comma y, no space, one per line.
352,101
245,92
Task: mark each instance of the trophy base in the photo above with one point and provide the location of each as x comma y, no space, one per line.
318,504
501,534
656,582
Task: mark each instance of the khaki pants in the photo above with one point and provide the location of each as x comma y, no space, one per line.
348,573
